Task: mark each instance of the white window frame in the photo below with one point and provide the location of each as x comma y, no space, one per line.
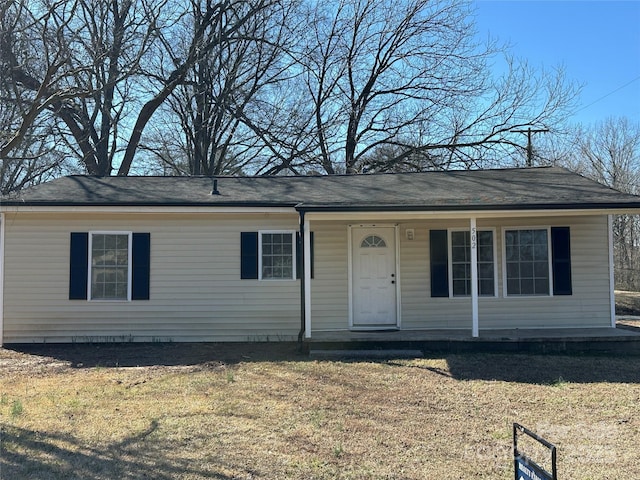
450,261
504,262
90,266
293,255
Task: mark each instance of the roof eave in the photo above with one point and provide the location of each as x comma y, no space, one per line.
148,204
482,208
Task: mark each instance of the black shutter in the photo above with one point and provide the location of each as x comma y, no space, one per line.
140,270
249,255
78,265
561,260
299,247
439,254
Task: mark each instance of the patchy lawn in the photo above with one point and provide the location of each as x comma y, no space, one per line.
265,412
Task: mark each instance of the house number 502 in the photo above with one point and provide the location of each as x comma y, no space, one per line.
473,238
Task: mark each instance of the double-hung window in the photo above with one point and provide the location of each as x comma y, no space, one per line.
460,263
110,266
271,255
527,261
277,255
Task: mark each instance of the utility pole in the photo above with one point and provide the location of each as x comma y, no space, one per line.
529,131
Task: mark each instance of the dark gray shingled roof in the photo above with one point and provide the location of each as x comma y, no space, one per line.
528,188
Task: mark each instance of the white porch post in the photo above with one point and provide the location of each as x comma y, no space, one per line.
612,285
474,278
307,279
1,279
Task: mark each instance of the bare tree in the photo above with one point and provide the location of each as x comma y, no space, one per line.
263,86
27,152
609,152
32,162
28,162
219,108
409,77
75,60
23,98
106,66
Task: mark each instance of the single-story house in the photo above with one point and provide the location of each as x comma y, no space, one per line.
280,258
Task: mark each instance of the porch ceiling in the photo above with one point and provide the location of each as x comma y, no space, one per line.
403,215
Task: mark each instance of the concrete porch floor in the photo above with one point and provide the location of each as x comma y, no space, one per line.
620,340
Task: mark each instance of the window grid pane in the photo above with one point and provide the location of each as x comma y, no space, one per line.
109,266
486,283
373,241
277,256
527,262
461,263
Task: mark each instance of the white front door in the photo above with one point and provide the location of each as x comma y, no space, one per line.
374,277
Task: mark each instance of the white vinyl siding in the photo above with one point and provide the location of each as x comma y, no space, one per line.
197,294
196,291
588,306
330,285
420,310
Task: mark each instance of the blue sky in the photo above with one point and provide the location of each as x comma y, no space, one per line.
598,42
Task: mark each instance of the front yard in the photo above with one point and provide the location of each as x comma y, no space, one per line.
264,412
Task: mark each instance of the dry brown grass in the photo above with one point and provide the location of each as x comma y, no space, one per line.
264,412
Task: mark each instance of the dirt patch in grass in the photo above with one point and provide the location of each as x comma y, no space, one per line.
266,412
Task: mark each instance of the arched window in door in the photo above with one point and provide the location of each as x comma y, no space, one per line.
373,241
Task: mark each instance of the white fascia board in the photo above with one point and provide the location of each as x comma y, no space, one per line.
463,214
373,216
147,209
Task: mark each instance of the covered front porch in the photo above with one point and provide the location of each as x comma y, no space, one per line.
412,277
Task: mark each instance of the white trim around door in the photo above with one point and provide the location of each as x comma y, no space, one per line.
374,287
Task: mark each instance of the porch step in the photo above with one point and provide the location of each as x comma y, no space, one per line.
361,353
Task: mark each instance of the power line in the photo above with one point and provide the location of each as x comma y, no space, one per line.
608,94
